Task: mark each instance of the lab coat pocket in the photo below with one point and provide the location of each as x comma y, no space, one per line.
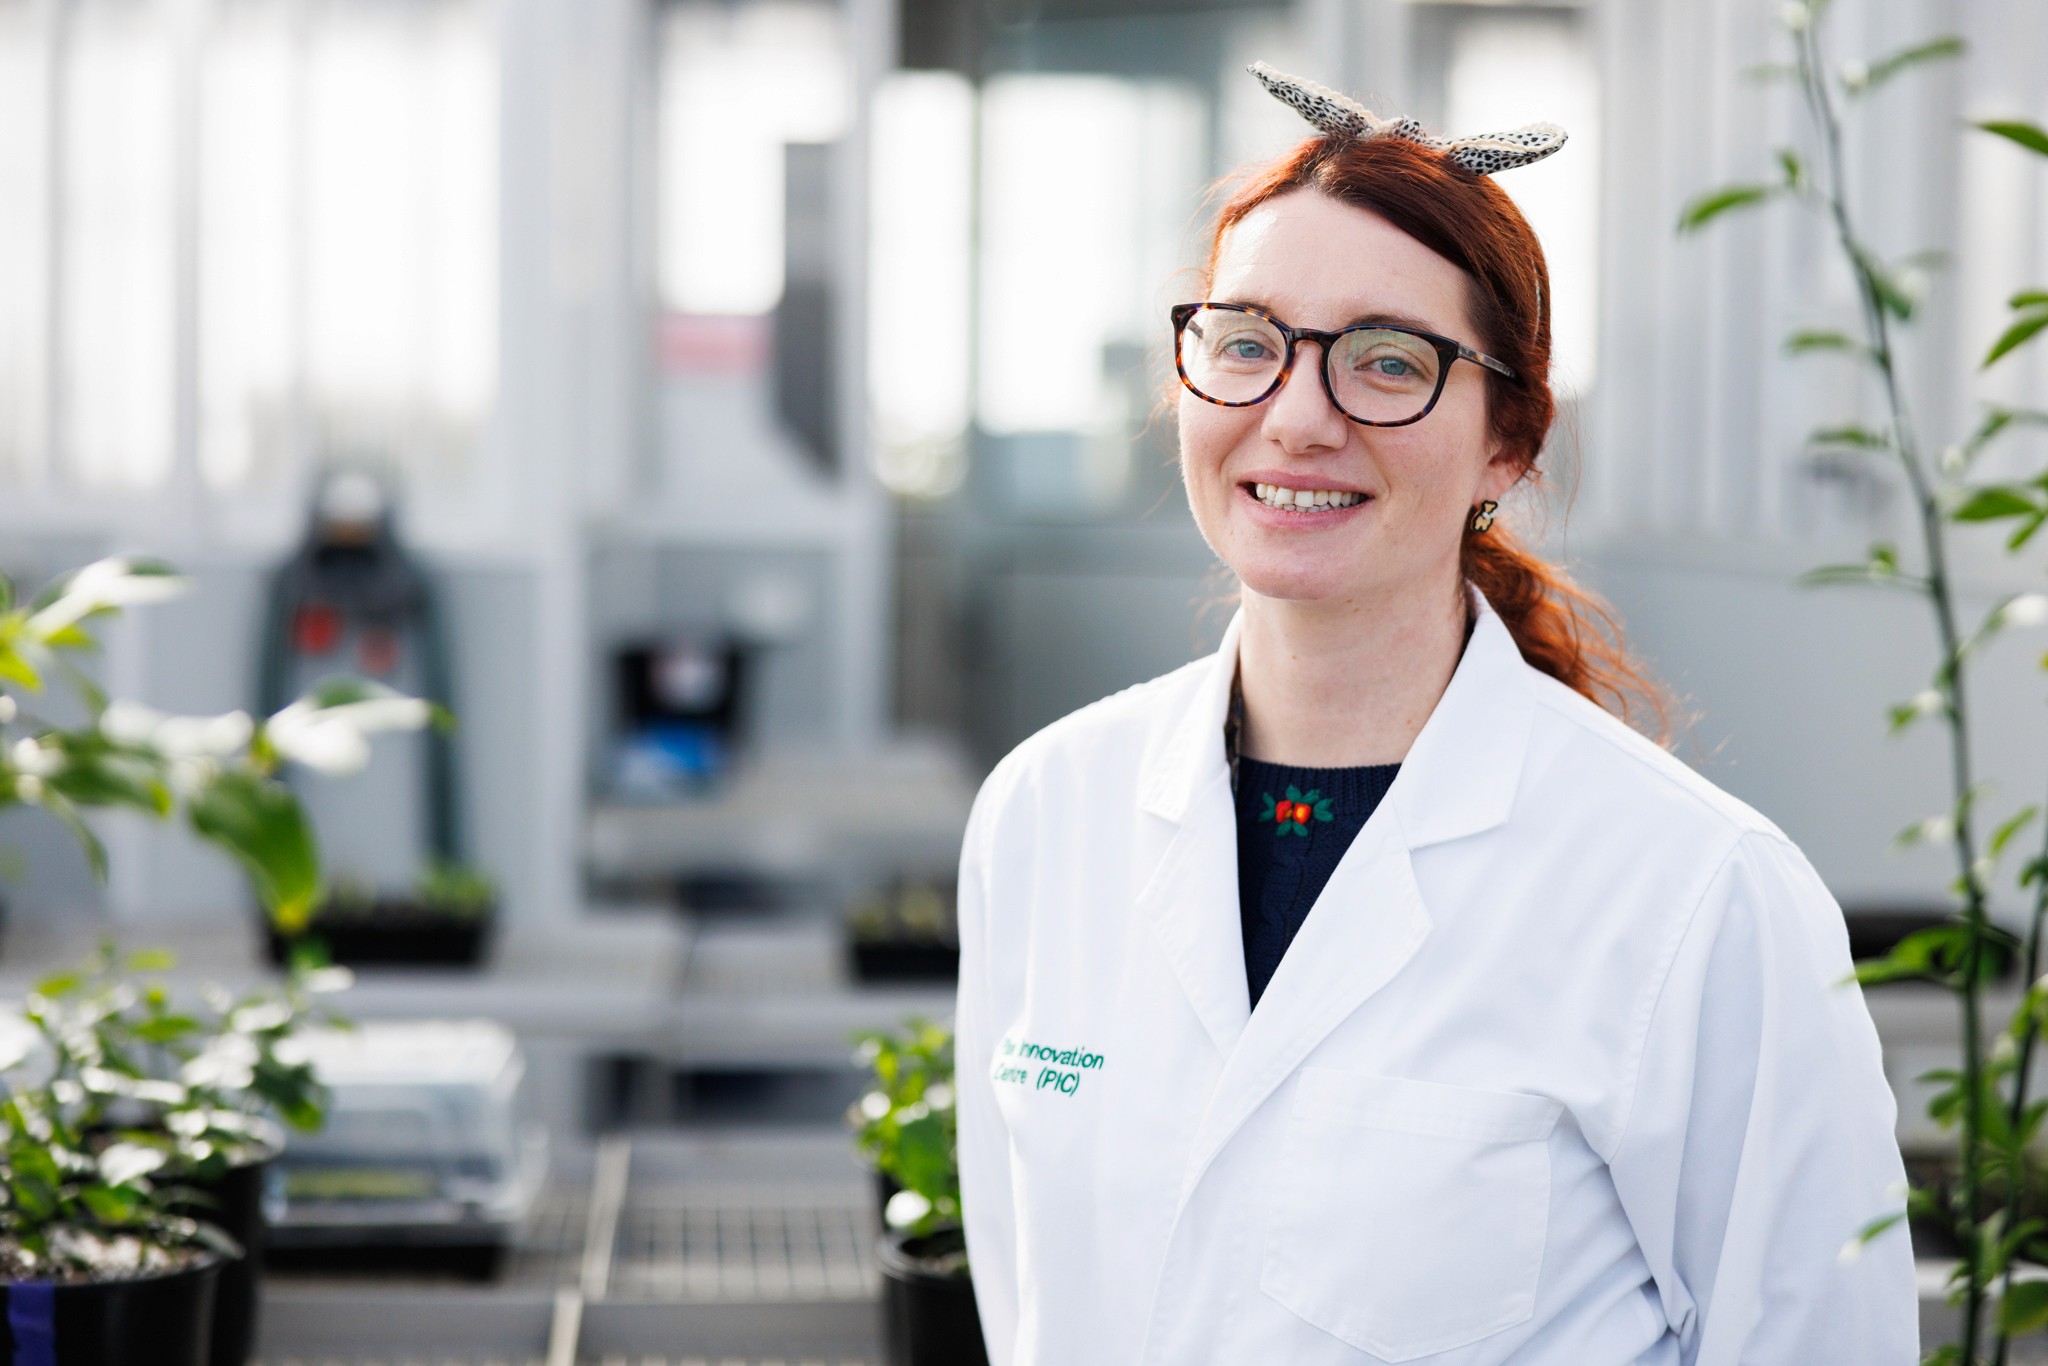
1409,1217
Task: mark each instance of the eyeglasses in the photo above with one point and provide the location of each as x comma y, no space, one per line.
1236,355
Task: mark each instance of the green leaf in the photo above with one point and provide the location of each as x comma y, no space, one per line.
1793,167
1926,953
260,822
2018,335
2025,134
59,984
1863,438
98,779
19,670
1996,420
67,815
166,1029
1713,204
1925,703
2004,833
1934,49
1883,285
115,1205
1857,573
2024,1308
1993,501
1800,342
2025,531
2028,298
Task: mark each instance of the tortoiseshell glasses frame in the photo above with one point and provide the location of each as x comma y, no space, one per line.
1449,350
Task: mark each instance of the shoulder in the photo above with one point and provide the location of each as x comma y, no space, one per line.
1741,872
1576,740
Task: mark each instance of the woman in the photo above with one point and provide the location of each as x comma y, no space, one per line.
1559,1071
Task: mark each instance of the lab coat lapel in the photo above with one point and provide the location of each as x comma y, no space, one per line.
1191,900
1458,778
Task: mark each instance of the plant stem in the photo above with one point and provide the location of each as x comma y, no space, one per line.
1940,596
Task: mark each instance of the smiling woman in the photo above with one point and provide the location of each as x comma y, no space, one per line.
1451,1018
1450,255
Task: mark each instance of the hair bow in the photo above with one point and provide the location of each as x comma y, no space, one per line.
1338,116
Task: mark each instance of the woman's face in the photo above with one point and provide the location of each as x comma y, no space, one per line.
1314,262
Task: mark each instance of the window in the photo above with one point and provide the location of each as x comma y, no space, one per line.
24,241
116,278
738,82
920,274
293,239
1507,67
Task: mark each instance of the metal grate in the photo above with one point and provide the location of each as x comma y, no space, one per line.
740,1242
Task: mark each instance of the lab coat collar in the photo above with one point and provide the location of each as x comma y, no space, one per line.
1459,776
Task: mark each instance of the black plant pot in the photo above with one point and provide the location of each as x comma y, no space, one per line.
162,1320
906,960
393,934
928,1316
236,1207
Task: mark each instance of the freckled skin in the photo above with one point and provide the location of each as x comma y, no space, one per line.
1316,262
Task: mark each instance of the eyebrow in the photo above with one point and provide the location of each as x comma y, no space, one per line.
1382,317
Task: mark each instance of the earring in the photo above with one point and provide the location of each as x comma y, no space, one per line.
1482,516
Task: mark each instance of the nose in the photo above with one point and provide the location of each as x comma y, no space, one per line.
1300,417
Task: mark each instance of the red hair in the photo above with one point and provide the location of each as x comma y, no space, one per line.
1464,217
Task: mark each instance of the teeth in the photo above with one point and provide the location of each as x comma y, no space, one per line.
1273,495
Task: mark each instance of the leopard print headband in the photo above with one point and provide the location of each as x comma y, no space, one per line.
1338,116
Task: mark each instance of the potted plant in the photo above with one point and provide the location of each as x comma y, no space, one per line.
100,1267
101,1263
444,921
210,1084
905,1129
907,933
1985,1203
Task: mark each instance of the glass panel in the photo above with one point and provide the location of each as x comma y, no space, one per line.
24,240
919,278
401,214
737,82
1088,185
119,222
247,127
1507,69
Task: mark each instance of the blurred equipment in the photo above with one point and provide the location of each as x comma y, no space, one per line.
678,715
422,1151
352,603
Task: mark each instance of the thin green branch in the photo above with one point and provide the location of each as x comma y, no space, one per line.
1874,296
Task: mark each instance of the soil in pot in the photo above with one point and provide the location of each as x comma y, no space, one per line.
928,1313
235,1205
164,1320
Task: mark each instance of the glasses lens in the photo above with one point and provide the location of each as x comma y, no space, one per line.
1381,375
1230,357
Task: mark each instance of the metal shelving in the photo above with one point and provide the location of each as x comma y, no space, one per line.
745,1248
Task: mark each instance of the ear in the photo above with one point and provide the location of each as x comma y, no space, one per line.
1503,471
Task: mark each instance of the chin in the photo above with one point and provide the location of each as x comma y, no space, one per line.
1296,582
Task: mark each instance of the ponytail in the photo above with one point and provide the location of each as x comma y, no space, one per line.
1565,631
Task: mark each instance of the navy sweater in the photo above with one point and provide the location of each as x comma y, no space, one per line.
1293,824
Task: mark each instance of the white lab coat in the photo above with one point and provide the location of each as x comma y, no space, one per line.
1556,1073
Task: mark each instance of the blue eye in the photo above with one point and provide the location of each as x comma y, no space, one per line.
1401,366
1246,348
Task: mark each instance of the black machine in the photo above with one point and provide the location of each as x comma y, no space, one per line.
351,602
